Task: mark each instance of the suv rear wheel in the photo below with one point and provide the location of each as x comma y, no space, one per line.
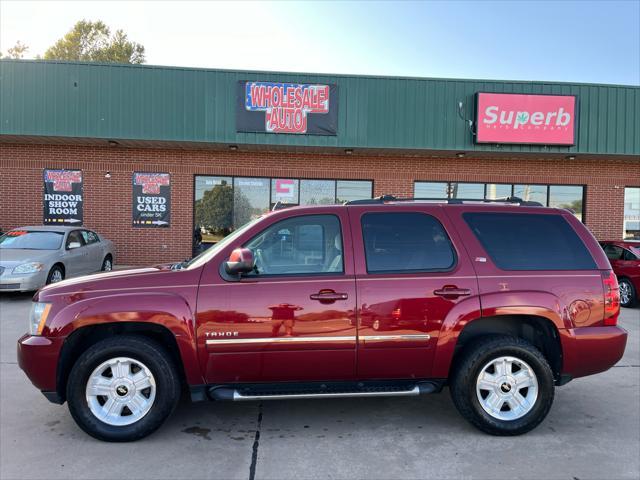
503,385
122,389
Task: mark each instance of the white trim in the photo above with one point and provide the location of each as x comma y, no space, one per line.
236,341
385,338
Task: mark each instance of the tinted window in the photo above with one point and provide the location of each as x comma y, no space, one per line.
613,252
530,242
628,255
30,240
308,244
405,242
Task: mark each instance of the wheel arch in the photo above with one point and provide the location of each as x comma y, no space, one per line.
83,338
538,330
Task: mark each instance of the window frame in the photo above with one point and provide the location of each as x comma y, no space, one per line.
455,258
341,273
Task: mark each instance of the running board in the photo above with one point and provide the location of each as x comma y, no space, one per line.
255,392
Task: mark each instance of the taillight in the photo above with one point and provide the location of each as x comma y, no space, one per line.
611,298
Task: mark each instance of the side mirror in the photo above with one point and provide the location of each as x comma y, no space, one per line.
73,245
240,261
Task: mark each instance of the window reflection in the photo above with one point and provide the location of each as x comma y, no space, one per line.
213,213
347,190
567,196
631,219
317,192
250,199
430,189
498,190
531,193
467,190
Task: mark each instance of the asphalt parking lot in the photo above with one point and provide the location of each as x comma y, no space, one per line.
593,431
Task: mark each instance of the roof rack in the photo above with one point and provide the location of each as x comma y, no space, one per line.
450,201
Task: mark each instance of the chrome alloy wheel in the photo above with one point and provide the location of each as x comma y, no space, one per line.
625,293
507,388
107,266
120,391
56,276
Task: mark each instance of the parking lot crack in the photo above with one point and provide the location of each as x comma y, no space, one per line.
256,444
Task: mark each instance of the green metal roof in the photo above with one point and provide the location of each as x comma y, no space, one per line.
141,102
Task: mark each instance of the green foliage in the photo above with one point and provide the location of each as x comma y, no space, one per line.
93,42
17,51
214,211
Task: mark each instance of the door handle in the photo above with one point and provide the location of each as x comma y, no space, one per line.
328,296
451,291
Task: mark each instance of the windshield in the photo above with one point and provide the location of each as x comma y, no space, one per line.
205,256
31,240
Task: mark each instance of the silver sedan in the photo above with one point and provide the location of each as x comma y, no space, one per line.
31,257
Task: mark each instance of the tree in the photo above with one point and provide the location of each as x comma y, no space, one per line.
93,42
17,51
214,211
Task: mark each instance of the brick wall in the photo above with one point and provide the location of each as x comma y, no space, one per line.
107,202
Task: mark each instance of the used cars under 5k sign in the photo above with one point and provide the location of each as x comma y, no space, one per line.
500,302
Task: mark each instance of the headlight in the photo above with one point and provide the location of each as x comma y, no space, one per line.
32,267
38,317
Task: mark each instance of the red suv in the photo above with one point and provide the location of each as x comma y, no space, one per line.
500,301
625,260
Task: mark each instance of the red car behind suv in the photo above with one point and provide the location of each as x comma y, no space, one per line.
625,260
499,301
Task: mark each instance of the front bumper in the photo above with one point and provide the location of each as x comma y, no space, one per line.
590,350
27,282
38,358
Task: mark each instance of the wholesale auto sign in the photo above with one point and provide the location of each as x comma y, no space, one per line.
530,119
296,108
63,197
151,199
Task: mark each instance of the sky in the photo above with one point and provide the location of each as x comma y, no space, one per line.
573,41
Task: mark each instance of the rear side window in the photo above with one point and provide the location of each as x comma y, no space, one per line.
530,241
405,242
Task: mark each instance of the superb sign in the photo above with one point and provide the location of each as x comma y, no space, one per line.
287,108
514,118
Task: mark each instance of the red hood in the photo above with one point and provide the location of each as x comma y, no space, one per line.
157,277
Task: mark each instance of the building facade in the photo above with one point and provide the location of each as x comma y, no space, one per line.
149,155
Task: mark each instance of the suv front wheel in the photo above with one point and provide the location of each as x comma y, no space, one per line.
503,385
122,389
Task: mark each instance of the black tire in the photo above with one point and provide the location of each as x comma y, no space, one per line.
633,295
157,360
108,259
474,358
56,269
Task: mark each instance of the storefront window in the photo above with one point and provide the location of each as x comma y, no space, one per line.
567,196
531,193
430,189
632,213
347,190
466,190
498,190
560,196
317,192
213,213
284,190
222,204
250,199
